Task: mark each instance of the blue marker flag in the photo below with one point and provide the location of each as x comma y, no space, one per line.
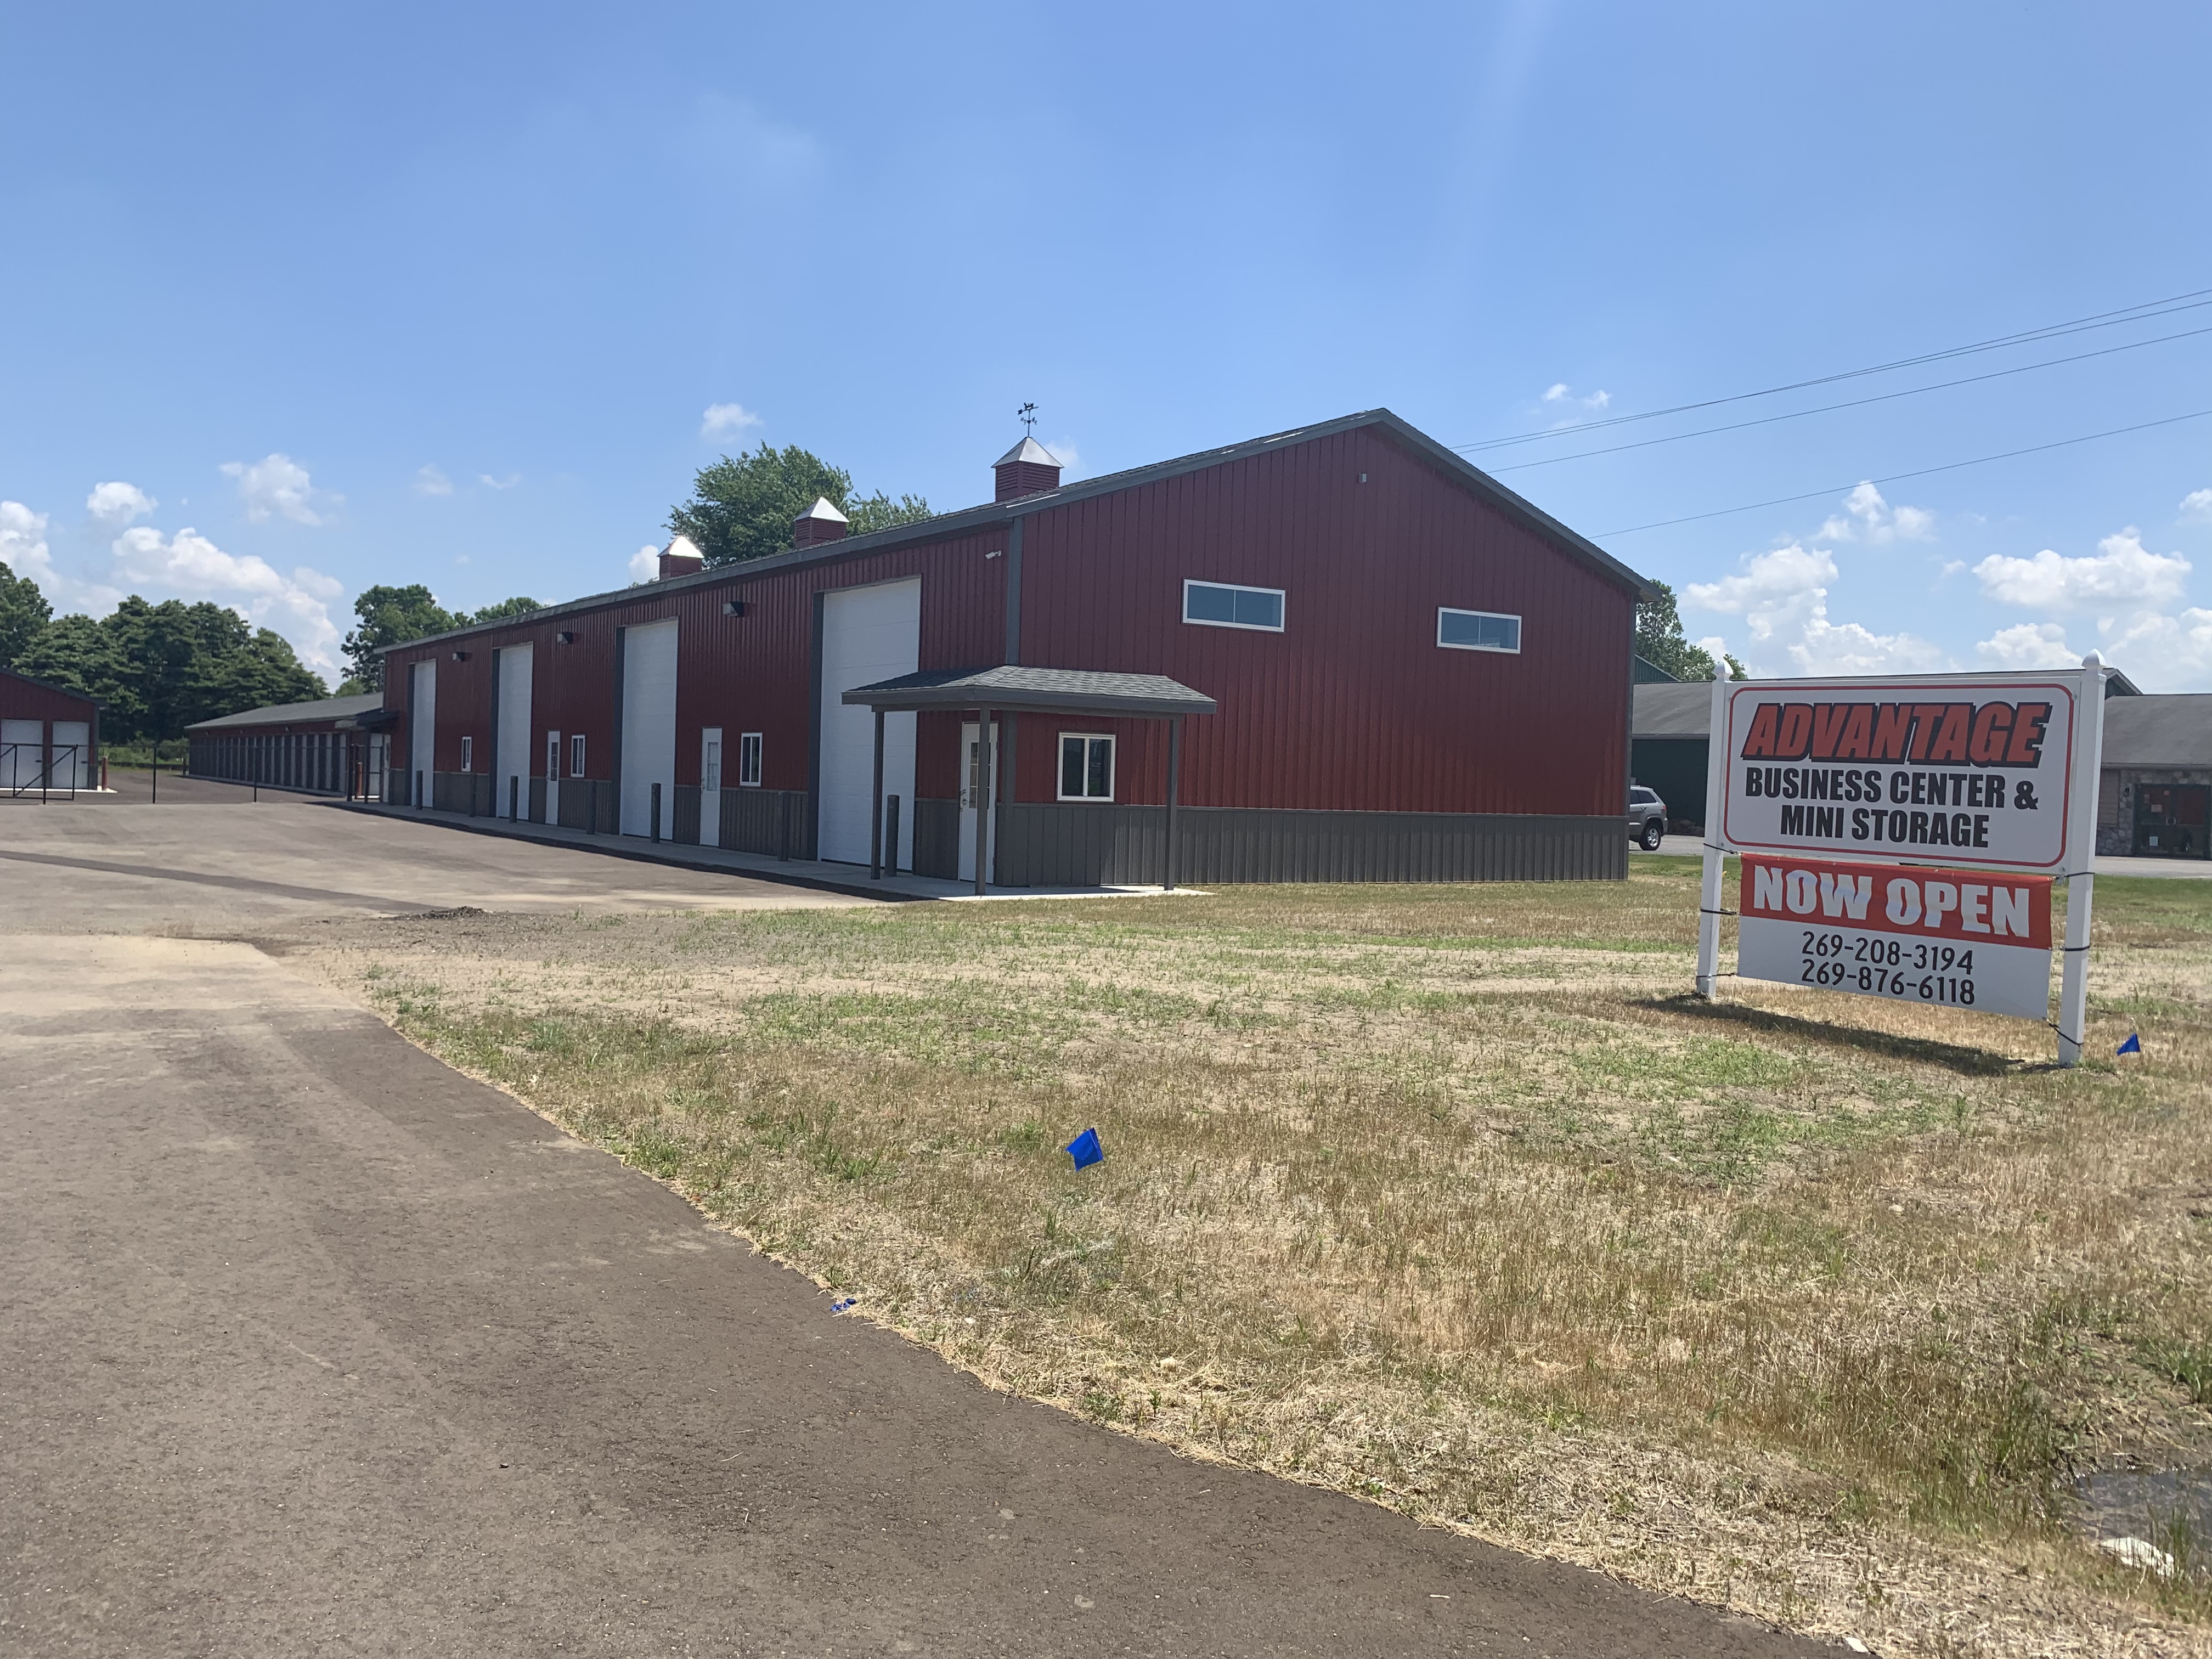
1085,1149
2132,1046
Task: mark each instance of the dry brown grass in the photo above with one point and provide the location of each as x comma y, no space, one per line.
1448,1197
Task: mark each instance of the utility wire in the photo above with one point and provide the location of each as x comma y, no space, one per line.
1855,403
2147,310
1899,478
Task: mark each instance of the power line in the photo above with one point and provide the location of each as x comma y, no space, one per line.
1855,403
2194,300
1899,478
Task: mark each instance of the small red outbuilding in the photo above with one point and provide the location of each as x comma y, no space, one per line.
49,737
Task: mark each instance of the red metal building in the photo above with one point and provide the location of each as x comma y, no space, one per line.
1418,676
49,737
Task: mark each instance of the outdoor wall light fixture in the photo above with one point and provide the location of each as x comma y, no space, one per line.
461,656
734,607
564,639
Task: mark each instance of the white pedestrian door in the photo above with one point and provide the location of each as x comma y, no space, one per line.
511,766
23,753
972,765
648,727
423,735
552,777
710,787
868,633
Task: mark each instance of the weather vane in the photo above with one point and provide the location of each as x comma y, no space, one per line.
1028,412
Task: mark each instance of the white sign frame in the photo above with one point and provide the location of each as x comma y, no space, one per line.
2078,777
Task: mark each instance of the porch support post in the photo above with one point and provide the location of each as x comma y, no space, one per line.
1175,787
982,798
876,808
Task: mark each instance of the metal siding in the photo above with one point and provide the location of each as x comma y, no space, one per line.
1353,707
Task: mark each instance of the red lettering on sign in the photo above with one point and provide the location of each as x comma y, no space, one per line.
1950,742
1759,745
1992,729
2027,746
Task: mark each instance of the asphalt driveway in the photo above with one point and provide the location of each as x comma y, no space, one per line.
309,1345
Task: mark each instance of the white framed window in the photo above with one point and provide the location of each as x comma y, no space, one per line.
749,760
468,754
576,756
1219,604
553,755
1086,766
1478,631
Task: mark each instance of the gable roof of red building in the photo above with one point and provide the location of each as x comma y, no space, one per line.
1454,467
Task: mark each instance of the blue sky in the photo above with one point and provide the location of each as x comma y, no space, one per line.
303,298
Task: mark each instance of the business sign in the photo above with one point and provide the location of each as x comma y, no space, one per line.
1954,938
1938,770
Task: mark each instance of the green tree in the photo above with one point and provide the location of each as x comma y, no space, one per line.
264,669
393,616
1659,641
505,610
23,612
742,507
79,655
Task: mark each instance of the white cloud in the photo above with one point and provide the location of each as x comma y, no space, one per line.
190,566
2122,572
117,503
2162,654
645,564
1874,519
276,486
430,480
2026,646
23,546
2197,507
1563,395
1782,596
1063,450
727,420
490,482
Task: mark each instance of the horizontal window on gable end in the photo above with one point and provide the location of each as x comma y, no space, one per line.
1477,630
1221,604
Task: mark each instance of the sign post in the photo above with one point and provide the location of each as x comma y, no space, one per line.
1900,837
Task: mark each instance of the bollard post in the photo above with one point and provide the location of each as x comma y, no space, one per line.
891,838
420,805
656,815
514,797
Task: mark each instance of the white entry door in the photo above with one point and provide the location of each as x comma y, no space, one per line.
973,764
868,633
552,777
710,787
511,762
423,734
648,727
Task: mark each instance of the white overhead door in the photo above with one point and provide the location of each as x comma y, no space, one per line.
868,633
23,753
72,754
648,727
511,763
422,732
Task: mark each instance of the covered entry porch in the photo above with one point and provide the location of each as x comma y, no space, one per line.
1013,689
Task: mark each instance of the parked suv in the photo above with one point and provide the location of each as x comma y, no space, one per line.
1647,818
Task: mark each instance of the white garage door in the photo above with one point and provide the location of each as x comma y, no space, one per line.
23,753
422,733
868,633
648,731
512,766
